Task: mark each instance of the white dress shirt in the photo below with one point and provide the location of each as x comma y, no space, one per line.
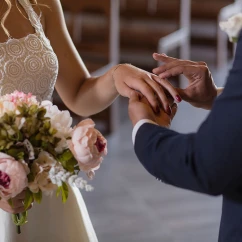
138,125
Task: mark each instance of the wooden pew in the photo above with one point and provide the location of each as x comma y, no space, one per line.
209,17
90,27
145,23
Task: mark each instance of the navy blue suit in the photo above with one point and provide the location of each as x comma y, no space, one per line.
209,161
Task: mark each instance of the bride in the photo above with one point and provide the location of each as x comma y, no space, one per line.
36,55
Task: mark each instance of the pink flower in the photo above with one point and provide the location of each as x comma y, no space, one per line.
13,177
88,146
18,98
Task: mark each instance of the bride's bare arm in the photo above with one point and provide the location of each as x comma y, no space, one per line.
87,95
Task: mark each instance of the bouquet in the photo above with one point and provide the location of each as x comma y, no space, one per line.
41,153
232,27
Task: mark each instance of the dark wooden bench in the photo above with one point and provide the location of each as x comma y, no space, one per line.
208,16
143,24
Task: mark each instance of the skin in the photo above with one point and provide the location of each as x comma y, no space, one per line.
98,92
201,90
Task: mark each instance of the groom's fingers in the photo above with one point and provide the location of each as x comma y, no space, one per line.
185,94
163,58
167,60
176,70
176,63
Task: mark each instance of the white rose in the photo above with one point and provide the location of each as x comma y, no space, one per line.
61,121
232,27
41,169
6,107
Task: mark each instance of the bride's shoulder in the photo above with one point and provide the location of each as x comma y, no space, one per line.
49,7
51,11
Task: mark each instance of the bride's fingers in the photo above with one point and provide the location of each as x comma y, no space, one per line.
184,93
158,90
147,90
168,86
174,109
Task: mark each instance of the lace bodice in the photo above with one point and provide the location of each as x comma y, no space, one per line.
28,64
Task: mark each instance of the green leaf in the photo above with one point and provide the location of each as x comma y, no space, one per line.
59,189
38,196
33,109
28,199
15,219
235,39
70,165
34,141
31,177
10,202
20,218
65,192
20,156
16,153
47,125
65,156
41,113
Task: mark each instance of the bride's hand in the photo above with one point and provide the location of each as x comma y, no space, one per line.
201,90
128,78
17,204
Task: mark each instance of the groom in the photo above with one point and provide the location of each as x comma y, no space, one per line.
209,161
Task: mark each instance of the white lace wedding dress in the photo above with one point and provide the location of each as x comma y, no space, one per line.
29,64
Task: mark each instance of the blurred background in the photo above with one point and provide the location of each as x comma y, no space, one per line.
128,204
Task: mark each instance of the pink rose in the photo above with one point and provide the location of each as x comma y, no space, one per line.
18,98
13,177
88,146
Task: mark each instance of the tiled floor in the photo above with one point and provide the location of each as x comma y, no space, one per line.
129,205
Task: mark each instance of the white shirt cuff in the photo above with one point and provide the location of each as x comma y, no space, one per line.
138,125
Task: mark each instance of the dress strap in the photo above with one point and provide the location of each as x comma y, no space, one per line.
32,15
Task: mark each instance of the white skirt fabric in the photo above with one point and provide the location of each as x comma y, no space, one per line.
52,221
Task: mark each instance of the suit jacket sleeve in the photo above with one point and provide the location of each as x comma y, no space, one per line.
209,161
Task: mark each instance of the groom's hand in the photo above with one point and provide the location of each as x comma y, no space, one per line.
201,90
139,108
